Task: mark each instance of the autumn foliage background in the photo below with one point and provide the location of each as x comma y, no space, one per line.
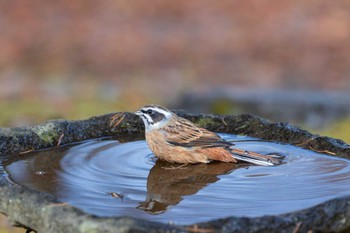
75,59
137,51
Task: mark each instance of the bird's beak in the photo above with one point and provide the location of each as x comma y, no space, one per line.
139,113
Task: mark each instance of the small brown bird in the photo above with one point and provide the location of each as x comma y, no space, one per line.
178,140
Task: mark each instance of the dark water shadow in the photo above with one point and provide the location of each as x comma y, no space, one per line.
167,184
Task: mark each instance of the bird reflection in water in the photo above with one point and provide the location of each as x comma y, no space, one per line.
167,183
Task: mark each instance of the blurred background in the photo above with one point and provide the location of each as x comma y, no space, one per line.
282,60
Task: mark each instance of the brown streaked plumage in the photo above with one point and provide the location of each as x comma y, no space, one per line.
178,140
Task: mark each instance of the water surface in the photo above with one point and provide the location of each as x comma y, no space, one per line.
110,178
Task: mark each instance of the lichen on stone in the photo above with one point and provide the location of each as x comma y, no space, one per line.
47,132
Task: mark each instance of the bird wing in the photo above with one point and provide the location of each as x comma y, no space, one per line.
183,132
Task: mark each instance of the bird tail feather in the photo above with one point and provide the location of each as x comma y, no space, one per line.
256,158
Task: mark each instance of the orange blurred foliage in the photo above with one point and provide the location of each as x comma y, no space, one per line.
175,45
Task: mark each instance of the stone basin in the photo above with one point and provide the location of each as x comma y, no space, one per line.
43,212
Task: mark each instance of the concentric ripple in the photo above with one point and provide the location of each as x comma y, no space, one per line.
109,178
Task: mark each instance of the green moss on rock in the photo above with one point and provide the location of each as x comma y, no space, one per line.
47,132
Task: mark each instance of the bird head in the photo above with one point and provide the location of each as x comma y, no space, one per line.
154,116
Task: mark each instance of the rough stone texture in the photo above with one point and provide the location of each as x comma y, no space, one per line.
43,213
47,135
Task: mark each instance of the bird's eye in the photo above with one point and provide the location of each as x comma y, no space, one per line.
150,112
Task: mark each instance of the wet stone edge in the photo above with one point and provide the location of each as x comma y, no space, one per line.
43,213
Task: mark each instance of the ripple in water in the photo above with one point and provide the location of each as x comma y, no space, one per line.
109,178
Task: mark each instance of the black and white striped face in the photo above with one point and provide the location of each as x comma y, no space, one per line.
154,116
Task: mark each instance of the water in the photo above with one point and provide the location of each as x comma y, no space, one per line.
109,178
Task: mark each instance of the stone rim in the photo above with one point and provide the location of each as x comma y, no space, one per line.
43,213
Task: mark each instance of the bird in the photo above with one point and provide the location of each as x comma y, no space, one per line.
177,140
